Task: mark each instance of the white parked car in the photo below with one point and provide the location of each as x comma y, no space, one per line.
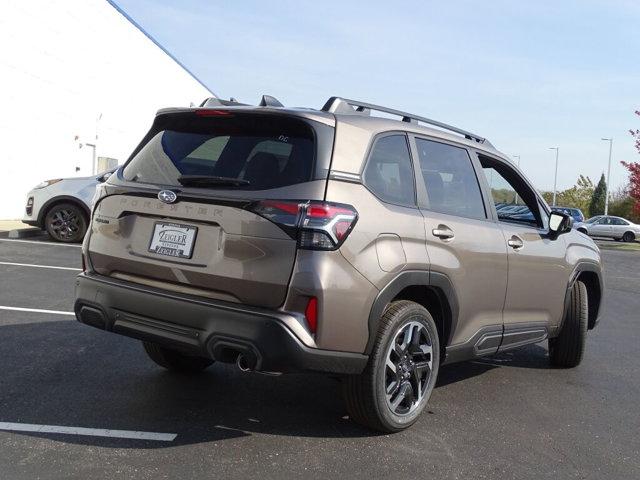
608,226
62,206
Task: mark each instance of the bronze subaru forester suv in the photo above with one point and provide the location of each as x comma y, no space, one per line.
333,240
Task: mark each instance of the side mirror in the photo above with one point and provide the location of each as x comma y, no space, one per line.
559,223
105,177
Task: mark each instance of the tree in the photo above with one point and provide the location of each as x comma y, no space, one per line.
633,189
621,205
636,133
634,173
578,196
596,207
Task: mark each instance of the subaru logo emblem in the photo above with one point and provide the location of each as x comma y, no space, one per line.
167,196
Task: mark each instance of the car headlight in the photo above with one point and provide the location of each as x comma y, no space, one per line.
47,183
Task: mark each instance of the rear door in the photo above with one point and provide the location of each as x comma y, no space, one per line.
463,242
191,210
619,227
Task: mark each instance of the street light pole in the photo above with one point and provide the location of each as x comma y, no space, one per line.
606,199
555,178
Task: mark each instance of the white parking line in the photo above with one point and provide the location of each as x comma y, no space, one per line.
35,310
41,243
92,432
40,266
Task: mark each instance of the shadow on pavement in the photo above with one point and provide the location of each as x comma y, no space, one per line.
64,373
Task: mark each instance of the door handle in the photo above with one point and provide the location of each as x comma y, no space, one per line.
515,242
443,232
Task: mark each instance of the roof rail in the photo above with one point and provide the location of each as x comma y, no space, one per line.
346,106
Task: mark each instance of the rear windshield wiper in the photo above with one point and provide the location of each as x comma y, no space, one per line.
211,181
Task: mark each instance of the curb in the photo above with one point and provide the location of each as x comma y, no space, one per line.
25,232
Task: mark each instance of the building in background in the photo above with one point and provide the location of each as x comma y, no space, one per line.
77,74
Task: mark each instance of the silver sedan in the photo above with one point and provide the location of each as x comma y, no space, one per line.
611,227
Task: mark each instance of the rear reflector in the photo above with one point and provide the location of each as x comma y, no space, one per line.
316,225
311,314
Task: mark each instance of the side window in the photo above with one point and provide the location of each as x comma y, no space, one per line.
618,221
450,180
389,174
513,199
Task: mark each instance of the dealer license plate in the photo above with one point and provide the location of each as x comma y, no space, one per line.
173,239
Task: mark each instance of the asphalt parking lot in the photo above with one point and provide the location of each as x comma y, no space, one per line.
508,416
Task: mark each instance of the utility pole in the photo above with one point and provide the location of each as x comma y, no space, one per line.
555,177
606,199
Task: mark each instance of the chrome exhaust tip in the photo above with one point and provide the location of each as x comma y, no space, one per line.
243,363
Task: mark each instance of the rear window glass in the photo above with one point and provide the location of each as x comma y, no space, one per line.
260,152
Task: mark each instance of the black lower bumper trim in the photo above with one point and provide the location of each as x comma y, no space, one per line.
217,330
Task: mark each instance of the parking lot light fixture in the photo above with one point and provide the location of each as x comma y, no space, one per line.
606,197
555,177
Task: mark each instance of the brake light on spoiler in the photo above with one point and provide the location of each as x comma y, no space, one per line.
315,225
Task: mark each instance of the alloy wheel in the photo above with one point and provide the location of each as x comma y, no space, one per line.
409,363
65,224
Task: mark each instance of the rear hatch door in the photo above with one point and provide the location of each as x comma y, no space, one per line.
181,214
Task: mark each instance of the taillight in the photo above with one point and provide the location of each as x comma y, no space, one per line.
315,225
311,314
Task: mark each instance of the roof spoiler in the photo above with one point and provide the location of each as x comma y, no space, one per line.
218,102
266,101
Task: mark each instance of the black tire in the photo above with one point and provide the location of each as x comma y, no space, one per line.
567,349
174,360
365,394
66,222
628,237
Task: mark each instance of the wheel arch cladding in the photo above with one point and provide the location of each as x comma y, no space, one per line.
591,280
432,290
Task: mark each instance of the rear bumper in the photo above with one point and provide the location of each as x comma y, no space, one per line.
210,328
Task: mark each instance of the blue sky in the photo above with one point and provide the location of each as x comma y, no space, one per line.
526,75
